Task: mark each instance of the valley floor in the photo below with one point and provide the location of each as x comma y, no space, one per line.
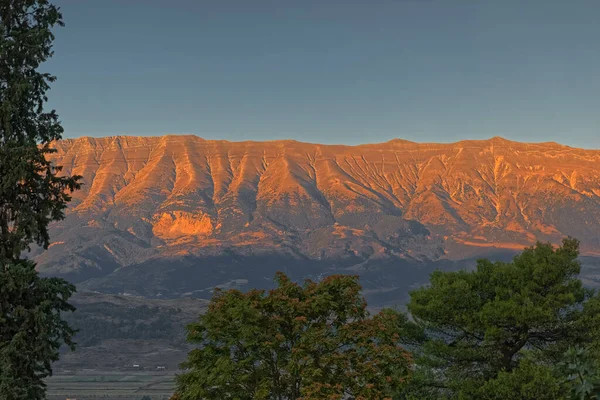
92,384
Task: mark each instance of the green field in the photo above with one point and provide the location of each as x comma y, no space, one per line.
92,385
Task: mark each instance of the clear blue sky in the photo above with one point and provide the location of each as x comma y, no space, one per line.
331,71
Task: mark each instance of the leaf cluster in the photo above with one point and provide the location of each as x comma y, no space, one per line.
582,373
311,341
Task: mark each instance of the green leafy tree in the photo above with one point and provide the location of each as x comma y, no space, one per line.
499,328
33,193
528,381
582,373
311,341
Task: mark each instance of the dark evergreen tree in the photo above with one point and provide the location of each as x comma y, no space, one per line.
498,332
31,329
32,194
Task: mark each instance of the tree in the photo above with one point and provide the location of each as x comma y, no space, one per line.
528,381
33,193
31,329
315,341
591,325
581,371
501,327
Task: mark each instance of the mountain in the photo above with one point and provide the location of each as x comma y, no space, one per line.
178,215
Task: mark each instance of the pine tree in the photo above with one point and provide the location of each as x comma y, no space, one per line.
497,332
33,193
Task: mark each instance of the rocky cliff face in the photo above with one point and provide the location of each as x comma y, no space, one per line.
150,198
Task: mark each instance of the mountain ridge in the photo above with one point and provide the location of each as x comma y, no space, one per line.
393,140
159,198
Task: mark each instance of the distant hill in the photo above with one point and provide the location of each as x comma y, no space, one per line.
177,215
117,332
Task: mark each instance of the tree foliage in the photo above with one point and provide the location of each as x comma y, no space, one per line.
500,328
31,329
581,372
315,341
32,194
528,381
